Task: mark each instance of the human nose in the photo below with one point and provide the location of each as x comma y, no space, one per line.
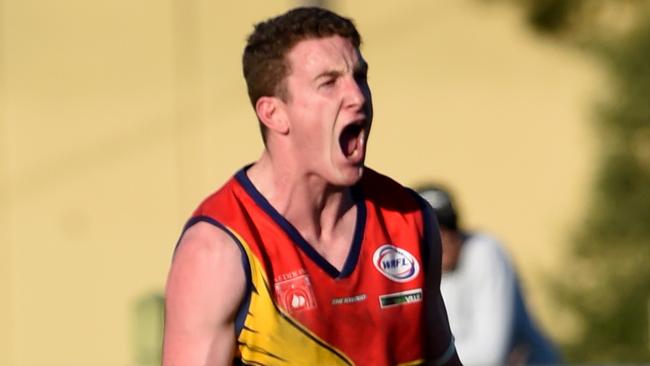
356,92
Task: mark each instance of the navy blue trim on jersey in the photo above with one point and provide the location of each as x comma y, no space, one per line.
429,224
353,256
240,317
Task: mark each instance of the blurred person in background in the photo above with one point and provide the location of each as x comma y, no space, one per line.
479,285
306,256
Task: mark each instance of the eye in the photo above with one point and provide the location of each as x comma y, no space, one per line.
328,82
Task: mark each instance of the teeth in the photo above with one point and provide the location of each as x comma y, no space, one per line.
362,139
359,147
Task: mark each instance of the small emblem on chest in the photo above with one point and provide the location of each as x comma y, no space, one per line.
295,294
396,263
400,298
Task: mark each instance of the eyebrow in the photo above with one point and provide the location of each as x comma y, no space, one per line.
328,74
360,67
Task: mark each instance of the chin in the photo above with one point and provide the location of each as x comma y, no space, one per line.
351,176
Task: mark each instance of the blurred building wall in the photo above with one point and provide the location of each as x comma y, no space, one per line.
92,161
117,117
5,246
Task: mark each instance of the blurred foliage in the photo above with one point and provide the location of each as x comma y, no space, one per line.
148,314
552,15
612,292
607,283
584,21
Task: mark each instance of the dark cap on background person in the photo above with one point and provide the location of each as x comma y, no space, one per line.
442,203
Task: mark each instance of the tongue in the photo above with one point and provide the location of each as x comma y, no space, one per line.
349,140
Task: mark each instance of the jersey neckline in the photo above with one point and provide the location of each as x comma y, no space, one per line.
293,233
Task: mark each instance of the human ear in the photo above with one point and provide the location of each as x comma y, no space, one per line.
270,112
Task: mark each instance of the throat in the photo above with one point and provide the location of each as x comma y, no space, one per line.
334,251
332,240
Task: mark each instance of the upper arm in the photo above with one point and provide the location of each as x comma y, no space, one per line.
205,286
438,332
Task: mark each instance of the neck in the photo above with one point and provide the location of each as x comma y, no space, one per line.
307,201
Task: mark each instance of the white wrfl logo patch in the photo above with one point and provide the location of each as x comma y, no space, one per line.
395,263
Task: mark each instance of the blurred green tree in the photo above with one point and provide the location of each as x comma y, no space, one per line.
148,314
607,283
611,292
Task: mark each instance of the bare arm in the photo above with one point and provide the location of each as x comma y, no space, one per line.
205,286
438,333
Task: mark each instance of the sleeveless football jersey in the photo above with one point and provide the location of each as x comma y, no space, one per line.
301,310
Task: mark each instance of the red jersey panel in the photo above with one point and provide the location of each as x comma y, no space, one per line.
301,310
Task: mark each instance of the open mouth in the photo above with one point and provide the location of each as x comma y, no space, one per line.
352,139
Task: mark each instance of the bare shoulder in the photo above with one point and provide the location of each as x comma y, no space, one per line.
205,239
205,249
205,287
207,258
